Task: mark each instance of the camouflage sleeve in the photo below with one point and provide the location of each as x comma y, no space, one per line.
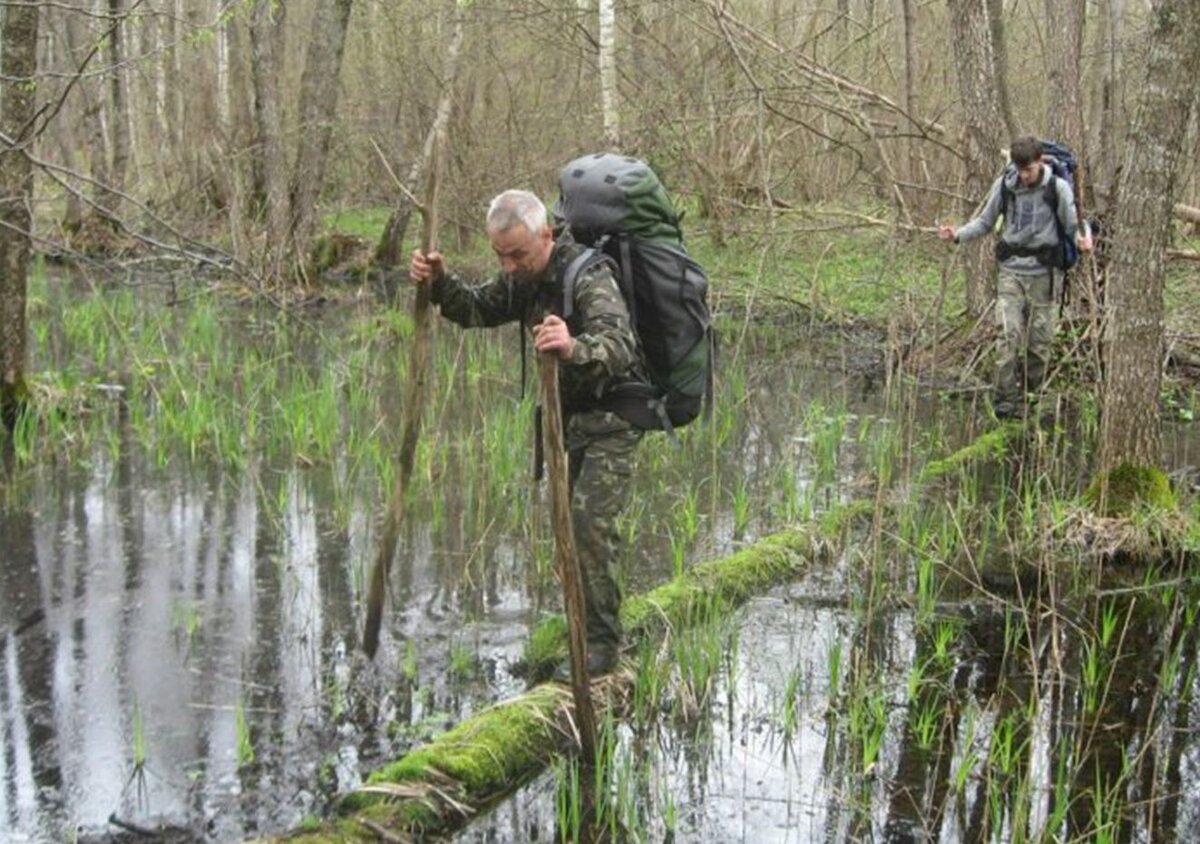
474,305
605,345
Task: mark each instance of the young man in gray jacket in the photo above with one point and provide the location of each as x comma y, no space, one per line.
1030,258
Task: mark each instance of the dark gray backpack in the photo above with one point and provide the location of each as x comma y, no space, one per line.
617,206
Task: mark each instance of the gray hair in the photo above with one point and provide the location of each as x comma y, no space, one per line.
515,207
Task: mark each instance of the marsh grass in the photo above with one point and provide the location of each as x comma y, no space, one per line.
245,744
139,739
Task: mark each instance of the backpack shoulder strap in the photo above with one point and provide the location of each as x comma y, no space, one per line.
1050,194
571,274
569,277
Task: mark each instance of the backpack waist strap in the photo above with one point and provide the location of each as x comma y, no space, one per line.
1048,255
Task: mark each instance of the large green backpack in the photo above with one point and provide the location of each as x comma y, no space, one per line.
617,206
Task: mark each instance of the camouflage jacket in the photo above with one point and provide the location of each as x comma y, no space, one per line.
607,352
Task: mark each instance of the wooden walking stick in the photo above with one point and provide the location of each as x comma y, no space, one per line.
414,406
565,557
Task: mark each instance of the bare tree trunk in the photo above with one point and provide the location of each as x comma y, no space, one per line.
970,34
1064,107
18,67
118,105
318,106
79,43
172,70
995,9
270,154
1110,109
1134,338
608,73
391,244
908,164
58,57
239,131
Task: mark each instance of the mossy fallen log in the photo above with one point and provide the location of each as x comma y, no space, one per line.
440,785
715,585
988,445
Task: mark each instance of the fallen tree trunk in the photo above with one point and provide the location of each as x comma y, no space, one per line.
438,786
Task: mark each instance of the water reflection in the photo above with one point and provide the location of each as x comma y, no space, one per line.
1026,742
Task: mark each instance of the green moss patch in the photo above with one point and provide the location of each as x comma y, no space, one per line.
989,445
717,584
1128,488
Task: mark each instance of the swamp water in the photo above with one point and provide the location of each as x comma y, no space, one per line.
185,553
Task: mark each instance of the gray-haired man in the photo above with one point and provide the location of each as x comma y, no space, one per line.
599,351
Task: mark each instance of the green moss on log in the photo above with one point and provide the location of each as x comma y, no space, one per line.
496,747
988,445
1127,488
717,584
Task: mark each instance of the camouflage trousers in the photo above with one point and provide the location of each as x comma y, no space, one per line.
1026,319
601,448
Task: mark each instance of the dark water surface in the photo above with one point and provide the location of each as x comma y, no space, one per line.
178,638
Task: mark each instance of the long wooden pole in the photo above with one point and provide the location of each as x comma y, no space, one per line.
566,560
414,406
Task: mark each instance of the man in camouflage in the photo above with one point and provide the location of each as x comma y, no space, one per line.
599,351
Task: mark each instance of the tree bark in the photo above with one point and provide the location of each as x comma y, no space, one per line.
906,43
1064,106
1108,152
110,151
18,102
995,10
269,162
90,95
971,36
118,97
1134,338
318,106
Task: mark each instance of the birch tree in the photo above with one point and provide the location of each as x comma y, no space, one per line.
608,73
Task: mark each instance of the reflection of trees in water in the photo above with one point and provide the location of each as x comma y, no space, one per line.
1073,732
174,598
26,690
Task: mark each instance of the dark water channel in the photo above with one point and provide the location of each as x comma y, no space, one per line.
179,619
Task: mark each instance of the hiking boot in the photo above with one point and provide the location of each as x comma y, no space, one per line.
601,660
